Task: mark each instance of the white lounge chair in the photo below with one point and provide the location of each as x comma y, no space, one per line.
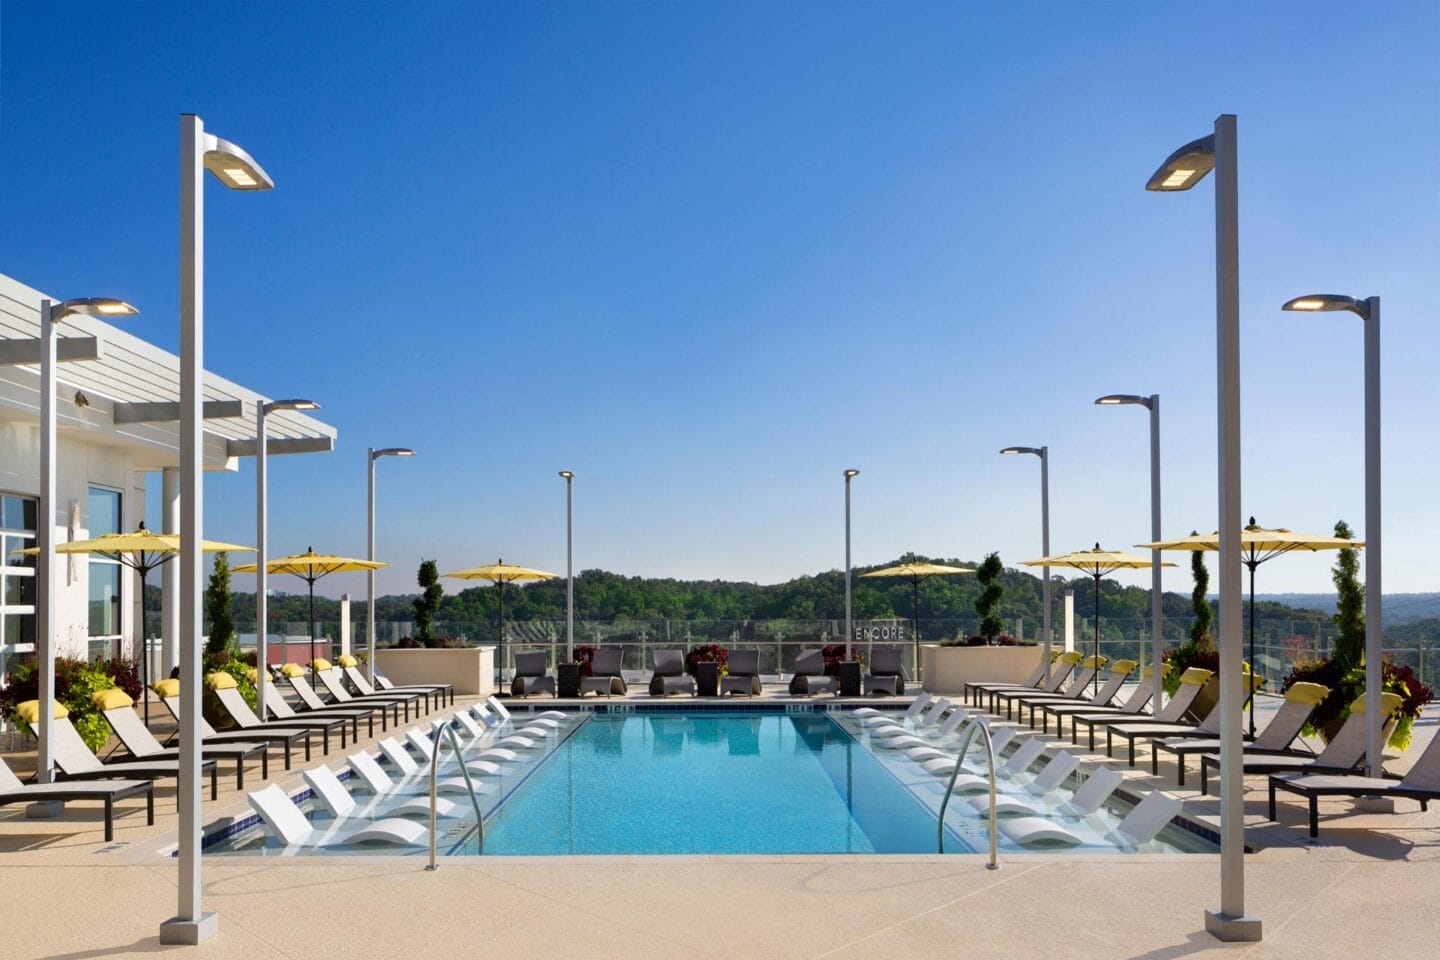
334,797
943,766
1045,782
412,782
493,702
289,823
911,711
911,741
1146,819
482,765
1026,754
893,728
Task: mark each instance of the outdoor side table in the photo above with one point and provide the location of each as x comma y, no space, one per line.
567,676
849,675
707,679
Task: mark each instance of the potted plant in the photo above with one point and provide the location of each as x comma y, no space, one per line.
708,653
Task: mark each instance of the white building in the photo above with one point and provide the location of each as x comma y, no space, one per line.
118,409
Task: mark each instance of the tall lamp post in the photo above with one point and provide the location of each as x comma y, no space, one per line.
52,313
1367,310
263,409
232,166
1151,403
1044,454
850,474
1183,169
569,477
371,456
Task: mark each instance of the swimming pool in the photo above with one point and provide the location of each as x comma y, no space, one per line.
666,780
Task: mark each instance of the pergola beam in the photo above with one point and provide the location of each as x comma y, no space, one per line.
163,411
278,446
27,350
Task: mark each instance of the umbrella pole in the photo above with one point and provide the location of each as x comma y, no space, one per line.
144,653
1096,661
1251,692
501,665
311,582
915,624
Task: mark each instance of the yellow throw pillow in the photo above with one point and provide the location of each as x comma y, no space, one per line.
293,670
220,680
166,688
1389,703
1195,675
1126,667
319,664
1303,692
345,660
111,699
252,675
29,711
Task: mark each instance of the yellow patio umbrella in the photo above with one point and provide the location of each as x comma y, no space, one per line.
311,566
501,573
1098,563
1258,544
141,551
915,572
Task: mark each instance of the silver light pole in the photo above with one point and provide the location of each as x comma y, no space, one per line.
52,313
1044,454
1183,169
371,456
851,474
262,532
569,564
1157,611
232,166
1367,310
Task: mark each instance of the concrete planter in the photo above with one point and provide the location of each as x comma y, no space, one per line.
946,670
470,669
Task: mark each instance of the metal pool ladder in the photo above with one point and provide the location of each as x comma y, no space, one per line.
448,727
973,724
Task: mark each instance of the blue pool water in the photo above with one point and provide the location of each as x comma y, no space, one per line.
672,783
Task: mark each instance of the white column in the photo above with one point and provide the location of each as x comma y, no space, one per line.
1069,621
169,587
1229,922
191,924
345,624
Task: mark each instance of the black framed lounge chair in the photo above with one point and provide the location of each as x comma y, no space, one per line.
1277,737
1120,671
1134,706
669,675
1421,784
810,677
1073,691
1061,664
531,676
605,674
334,683
1340,756
13,791
313,703
118,710
1208,727
75,761
285,714
887,672
742,673
1191,682
285,734
351,668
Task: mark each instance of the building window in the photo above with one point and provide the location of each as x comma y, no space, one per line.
19,518
105,574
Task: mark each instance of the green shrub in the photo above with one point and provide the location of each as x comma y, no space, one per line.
75,681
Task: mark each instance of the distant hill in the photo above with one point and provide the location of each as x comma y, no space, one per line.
1398,608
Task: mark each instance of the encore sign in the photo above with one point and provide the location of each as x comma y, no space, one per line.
887,632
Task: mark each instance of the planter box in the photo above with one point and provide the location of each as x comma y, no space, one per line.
946,670
470,669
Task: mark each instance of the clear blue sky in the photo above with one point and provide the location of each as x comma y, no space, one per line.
709,256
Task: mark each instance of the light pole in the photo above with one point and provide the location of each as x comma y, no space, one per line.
850,474
232,166
569,564
371,456
262,531
1367,310
1183,169
1151,403
52,313
1044,454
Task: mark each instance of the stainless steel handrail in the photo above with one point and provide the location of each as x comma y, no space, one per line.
974,724
448,726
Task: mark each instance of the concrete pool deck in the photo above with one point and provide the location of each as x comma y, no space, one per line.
1368,890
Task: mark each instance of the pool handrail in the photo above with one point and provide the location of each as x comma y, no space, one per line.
975,723
448,727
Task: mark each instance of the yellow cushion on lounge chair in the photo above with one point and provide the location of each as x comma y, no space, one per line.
1254,681
169,687
1126,667
111,699
1303,692
319,664
220,680
29,711
1389,703
252,675
1196,675
345,660
1097,661
1056,655
1071,657
292,670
